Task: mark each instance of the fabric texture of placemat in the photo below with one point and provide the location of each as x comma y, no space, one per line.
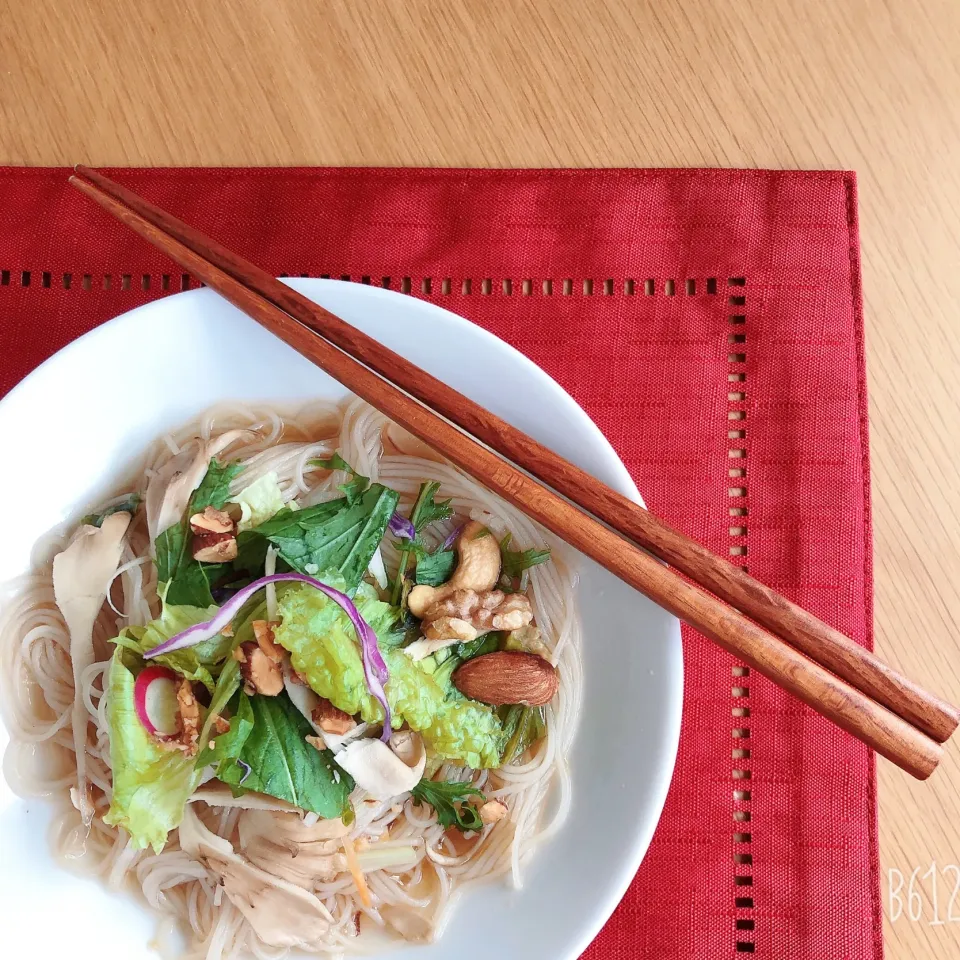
710,323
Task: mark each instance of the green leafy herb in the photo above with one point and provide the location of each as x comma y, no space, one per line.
354,488
334,536
514,562
226,746
522,727
460,653
129,505
449,799
424,512
188,580
435,568
276,759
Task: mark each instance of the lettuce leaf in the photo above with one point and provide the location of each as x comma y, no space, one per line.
194,663
323,647
259,501
150,784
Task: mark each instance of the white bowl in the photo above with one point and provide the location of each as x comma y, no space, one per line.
72,427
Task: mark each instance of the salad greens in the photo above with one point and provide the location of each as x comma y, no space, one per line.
259,501
264,745
323,648
522,727
357,483
514,562
151,784
336,535
424,512
271,755
188,581
197,663
435,568
449,799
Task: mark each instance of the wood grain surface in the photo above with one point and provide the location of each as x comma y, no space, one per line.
867,85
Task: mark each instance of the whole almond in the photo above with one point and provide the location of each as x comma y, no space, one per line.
507,677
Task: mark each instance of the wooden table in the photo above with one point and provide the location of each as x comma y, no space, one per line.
866,85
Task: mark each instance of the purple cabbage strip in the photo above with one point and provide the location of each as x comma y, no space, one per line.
400,526
374,667
451,538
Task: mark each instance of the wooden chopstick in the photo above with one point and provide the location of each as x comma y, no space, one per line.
880,728
819,641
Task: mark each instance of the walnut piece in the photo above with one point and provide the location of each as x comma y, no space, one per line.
330,719
455,616
260,673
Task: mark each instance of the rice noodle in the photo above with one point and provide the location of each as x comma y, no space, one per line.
36,683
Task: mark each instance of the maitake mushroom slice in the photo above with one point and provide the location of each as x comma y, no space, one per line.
385,771
281,913
81,577
282,844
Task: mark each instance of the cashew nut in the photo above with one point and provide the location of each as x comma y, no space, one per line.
477,569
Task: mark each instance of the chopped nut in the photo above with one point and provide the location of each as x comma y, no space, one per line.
332,720
492,811
212,744
263,631
189,721
260,673
507,677
478,568
214,547
238,654
449,628
483,612
316,742
227,631
212,521
221,724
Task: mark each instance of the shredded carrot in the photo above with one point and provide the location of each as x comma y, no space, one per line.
353,865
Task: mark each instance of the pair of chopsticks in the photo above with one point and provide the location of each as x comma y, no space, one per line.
835,676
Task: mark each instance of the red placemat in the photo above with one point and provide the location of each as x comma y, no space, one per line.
710,323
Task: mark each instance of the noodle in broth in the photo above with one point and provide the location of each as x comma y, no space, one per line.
38,698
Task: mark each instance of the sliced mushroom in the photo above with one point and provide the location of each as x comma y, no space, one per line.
281,913
220,795
283,845
385,771
81,578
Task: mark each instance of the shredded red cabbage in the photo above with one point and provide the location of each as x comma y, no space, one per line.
374,667
451,538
